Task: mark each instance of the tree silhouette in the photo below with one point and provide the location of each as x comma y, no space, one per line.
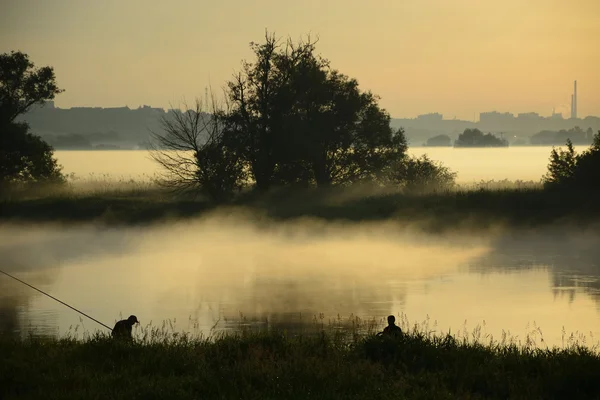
289,119
294,120
193,155
567,169
439,140
476,138
421,174
24,157
22,85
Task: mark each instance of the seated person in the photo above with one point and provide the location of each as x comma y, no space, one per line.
122,329
392,330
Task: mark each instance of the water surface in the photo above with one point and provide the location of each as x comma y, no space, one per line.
472,165
207,273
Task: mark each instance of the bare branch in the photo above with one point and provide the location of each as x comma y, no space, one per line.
191,152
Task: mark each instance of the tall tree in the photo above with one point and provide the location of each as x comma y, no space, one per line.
24,157
298,121
257,105
22,85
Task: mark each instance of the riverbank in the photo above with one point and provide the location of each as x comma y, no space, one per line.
275,366
521,207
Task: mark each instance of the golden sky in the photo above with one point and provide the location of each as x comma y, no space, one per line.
456,57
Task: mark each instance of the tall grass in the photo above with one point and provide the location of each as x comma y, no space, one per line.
274,364
490,203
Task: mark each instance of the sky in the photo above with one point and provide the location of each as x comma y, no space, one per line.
455,57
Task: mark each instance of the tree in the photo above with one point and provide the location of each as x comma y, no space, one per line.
258,105
567,169
22,85
439,140
297,121
24,157
562,165
194,157
421,174
476,138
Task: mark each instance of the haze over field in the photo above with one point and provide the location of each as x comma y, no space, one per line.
457,57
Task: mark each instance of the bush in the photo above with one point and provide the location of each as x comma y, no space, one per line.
567,169
422,174
25,158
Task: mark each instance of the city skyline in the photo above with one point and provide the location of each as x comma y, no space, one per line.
552,114
458,58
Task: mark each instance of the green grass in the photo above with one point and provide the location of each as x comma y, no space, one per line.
274,365
475,208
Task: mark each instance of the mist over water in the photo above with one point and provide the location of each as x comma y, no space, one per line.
214,269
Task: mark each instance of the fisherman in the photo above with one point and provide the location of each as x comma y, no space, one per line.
122,329
392,330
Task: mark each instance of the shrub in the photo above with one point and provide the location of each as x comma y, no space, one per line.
567,169
422,174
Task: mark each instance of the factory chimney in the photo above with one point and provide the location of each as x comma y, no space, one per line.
575,99
572,106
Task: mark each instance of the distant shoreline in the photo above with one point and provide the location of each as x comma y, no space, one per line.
548,146
462,210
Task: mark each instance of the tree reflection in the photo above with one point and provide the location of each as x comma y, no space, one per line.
571,258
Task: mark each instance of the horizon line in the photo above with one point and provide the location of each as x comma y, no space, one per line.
145,106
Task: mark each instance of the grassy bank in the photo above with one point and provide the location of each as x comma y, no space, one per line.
469,209
275,366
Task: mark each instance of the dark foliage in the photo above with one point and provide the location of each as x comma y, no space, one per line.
475,138
576,135
194,156
22,85
439,140
421,174
294,120
570,170
26,158
279,366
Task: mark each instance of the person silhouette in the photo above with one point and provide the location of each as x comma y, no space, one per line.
392,329
122,329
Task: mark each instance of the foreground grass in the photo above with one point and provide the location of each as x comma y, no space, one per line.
276,366
482,207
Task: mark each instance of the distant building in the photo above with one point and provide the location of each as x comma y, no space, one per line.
117,108
494,118
529,115
431,117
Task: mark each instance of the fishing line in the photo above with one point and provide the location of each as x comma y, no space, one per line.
54,298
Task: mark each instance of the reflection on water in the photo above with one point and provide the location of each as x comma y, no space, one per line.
207,273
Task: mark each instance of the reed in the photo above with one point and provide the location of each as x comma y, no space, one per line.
273,364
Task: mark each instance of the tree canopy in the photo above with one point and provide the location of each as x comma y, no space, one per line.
24,157
290,119
567,169
22,85
476,138
295,120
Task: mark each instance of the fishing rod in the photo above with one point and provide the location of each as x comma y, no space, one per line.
54,298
